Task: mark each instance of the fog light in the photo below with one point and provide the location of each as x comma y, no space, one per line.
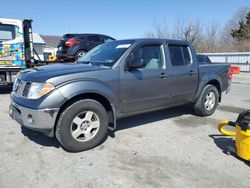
10,110
30,119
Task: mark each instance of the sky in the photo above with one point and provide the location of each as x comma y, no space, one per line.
117,18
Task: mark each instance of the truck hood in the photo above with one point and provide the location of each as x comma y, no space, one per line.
43,73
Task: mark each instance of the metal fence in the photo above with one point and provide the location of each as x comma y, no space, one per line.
241,59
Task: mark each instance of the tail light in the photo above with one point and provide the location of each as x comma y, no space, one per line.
230,73
71,42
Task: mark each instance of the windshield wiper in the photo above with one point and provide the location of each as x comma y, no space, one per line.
96,63
86,62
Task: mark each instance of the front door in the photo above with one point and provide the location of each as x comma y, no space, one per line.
145,87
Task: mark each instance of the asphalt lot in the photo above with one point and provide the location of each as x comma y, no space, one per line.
169,148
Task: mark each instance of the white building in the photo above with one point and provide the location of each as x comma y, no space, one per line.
45,45
241,59
39,46
51,45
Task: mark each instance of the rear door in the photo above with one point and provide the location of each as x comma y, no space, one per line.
183,72
145,87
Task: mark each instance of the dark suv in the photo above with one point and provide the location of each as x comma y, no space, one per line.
203,59
73,46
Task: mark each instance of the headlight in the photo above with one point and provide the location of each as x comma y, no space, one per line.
15,84
38,90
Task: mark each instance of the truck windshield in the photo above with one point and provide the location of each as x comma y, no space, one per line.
106,54
7,32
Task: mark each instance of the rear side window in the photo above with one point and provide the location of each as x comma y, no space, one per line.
107,39
179,55
7,32
94,38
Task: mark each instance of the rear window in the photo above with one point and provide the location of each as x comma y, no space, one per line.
7,32
179,55
203,59
67,36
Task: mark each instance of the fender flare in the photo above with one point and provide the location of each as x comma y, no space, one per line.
81,87
206,79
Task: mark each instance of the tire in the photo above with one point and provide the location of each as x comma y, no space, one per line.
82,125
79,54
208,101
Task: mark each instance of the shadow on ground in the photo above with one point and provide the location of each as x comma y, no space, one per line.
40,138
227,146
150,117
126,123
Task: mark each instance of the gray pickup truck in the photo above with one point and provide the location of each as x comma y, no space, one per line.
79,102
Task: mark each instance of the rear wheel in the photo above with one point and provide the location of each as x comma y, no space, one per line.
82,126
80,54
207,102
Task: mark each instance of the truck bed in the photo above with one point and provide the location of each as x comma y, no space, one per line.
217,70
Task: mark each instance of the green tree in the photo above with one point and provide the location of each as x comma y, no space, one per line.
243,32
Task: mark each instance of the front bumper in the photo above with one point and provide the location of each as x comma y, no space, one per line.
42,120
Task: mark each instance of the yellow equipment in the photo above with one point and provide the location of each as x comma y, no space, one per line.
242,134
52,57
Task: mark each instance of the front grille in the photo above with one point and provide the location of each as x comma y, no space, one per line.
22,88
26,89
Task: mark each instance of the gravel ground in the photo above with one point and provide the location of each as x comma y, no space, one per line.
169,148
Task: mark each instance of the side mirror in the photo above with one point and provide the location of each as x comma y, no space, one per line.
134,64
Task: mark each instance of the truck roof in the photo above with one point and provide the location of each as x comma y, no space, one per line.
12,22
169,41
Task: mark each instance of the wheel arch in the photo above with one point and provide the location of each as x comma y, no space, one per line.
216,84
206,80
95,96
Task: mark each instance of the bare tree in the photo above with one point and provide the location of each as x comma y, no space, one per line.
159,30
188,30
210,38
185,30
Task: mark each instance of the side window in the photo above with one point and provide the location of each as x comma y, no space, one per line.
7,32
176,55
46,55
179,55
94,38
82,37
150,55
107,39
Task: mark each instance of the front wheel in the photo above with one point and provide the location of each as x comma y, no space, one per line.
207,102
82,126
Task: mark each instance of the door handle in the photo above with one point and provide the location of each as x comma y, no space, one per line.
191,72
163,75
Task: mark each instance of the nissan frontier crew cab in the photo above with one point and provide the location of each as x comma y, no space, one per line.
79,102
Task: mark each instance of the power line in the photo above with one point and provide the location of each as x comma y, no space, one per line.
10,13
